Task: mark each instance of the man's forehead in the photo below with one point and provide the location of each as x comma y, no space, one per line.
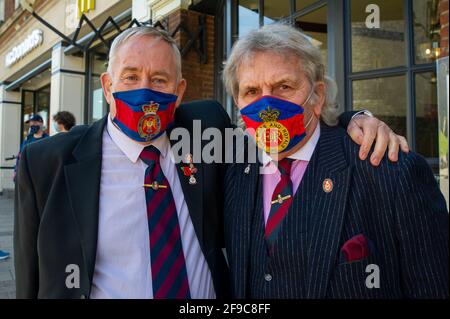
278,66
277,77
143,46
131,59
142,41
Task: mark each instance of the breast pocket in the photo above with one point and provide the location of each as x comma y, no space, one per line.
356,280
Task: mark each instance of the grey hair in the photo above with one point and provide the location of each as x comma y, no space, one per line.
284,40
149,32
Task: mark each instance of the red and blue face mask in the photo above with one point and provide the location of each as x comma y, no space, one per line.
143,114
276,125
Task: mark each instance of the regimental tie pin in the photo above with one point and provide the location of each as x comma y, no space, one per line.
280,199
190,170
155,185
247,169
327,185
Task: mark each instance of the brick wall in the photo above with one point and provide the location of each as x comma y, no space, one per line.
443,12
199,77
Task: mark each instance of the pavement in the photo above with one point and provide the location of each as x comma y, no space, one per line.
7,279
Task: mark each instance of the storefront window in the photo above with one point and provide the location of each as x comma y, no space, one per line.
27,110
314,25
426,31
275,10
35,102
385,97
99,107
43,105
302,4
377,46
248,16
426,115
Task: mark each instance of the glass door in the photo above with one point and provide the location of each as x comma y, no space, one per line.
35,102
98,64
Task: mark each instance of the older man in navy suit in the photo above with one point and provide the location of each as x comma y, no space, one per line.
308,219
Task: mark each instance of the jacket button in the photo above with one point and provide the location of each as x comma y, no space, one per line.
267,277
83,297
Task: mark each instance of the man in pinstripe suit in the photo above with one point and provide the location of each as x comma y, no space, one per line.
308,219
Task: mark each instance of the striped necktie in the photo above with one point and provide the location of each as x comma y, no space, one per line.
280,202
169,275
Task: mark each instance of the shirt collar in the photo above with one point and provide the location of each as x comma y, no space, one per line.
304,153
130,148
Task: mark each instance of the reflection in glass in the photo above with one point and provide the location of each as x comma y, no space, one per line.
43,105
99,106
377,48
426,31
426,116
385,98
302,4
98,102
28,110
314,25
275,10
248,15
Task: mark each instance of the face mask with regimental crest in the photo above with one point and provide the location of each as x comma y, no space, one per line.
143,114
277,125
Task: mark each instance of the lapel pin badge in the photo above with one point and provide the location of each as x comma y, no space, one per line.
192,180
327,185
247,169
190,170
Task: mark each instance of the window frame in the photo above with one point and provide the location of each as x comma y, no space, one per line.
409,70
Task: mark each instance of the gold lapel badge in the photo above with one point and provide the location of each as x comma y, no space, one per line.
327,185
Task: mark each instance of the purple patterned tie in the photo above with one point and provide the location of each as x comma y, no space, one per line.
169,276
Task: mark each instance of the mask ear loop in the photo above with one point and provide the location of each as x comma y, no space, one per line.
306,102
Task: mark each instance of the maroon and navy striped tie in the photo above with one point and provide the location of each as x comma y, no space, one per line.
280,202
169,275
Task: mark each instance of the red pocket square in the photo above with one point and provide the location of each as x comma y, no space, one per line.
356,248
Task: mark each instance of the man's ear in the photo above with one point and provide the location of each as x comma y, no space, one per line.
180,91
319,92
106,80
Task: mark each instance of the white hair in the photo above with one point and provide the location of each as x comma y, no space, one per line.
148,32
283,40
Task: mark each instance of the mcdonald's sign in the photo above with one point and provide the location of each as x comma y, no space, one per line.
84,6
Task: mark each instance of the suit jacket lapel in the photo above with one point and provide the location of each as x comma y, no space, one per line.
83,184
326,221
246,190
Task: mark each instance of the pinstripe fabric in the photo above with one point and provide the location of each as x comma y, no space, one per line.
398,206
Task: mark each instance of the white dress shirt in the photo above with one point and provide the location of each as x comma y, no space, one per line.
123,263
